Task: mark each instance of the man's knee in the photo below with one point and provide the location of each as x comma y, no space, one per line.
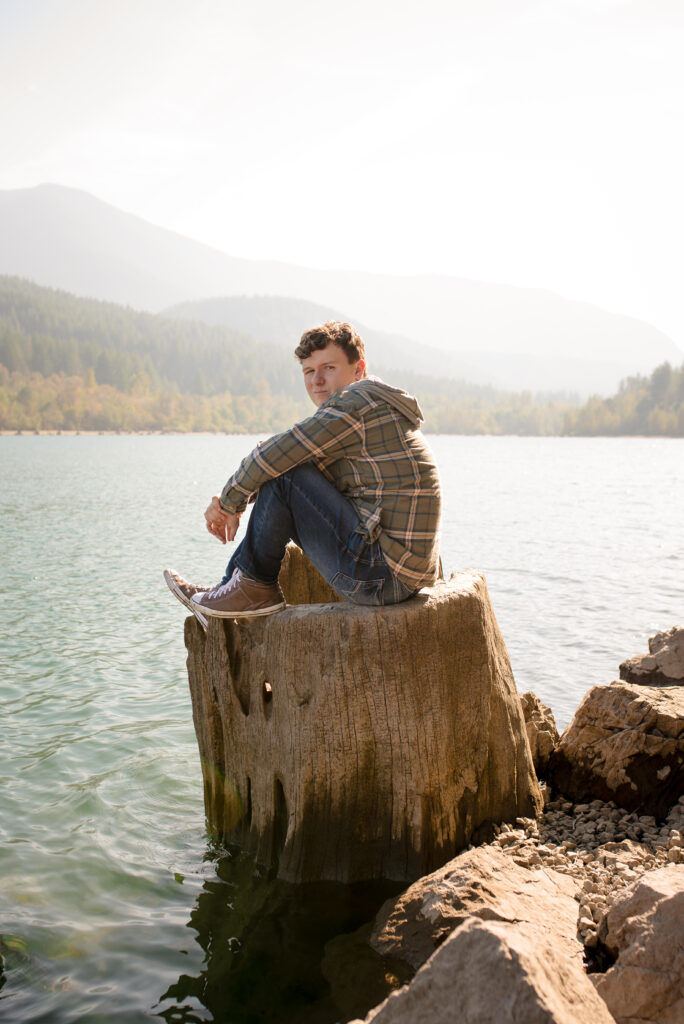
305,471
304,477
304,480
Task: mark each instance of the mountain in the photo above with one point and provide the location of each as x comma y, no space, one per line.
515,337
281,321
69,363
50,331
46,331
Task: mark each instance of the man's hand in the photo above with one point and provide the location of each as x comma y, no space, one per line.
222,525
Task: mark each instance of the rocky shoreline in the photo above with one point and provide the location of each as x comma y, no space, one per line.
576,915
605,848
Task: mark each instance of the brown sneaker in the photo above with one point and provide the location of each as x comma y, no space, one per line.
239,598
184,591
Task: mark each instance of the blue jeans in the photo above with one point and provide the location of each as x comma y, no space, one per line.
302,505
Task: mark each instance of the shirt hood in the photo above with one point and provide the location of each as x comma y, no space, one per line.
401,400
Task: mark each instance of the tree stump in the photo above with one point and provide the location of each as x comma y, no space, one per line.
345,743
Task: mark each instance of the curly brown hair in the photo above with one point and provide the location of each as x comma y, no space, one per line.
343,335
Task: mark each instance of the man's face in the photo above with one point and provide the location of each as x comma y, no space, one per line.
327,371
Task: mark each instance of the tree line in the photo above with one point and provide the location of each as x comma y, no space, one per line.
32,402
77,364
652,406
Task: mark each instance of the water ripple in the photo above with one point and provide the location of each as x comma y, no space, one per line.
108,884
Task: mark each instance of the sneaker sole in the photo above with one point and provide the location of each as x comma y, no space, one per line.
212,613
204,623
188,603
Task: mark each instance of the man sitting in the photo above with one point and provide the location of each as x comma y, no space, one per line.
355,486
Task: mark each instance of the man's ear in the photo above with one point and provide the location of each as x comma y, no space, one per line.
360,369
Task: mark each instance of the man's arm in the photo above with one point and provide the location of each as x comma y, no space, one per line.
321,438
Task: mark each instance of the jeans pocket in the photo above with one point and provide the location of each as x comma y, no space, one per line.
402,591
358,591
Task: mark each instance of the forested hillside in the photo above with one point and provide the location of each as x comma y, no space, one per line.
46,331
76,364
507,336
650,406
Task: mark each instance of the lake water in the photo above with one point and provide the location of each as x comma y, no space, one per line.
115,906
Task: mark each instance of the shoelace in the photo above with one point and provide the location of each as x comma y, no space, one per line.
224,588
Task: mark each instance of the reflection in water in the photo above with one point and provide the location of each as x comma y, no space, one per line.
277,953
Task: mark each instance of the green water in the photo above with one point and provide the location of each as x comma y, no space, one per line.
115,905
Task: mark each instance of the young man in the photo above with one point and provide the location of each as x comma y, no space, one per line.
355,486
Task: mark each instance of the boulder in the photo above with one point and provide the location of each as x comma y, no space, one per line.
496,971
345,742
664,663
625,743
357,976
542,733
482,883
644,929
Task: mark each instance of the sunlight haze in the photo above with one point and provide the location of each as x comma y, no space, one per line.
531,143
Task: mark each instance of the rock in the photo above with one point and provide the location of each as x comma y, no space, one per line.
344,742
625,743
496,971
509,838
541,730
358,976
662,665
483,883
626,853
644,929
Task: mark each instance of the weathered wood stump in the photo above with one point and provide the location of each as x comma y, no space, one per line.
343,742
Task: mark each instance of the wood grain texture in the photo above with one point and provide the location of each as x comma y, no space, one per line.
343,742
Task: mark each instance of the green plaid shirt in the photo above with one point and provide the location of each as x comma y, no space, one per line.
366,440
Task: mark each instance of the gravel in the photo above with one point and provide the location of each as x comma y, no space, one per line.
600,844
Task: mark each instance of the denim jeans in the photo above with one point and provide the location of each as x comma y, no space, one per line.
302,505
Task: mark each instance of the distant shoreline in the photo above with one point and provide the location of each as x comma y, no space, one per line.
129,433
265,433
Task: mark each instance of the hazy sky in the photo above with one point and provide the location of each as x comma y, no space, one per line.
534,142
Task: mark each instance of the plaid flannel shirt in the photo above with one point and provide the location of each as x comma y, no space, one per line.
366,440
